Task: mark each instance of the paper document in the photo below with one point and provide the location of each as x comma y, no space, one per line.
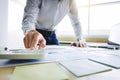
110,60
49,71
82,68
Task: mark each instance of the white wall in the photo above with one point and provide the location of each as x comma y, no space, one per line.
3,22
15,33
11,14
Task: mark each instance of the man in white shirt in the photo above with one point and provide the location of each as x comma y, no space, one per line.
40,20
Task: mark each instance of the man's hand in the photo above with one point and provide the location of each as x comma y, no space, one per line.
78,44
34,40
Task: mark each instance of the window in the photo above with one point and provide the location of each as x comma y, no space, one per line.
96,17
103,15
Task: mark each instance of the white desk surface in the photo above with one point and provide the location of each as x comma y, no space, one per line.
6,73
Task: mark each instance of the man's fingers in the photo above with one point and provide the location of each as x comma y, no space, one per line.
78,44
42,44
26,42
34,41
29,40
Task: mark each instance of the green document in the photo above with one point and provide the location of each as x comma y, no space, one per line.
49,71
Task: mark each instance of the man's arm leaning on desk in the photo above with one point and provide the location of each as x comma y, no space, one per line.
73,14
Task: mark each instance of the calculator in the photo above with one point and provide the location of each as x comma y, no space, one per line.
22,54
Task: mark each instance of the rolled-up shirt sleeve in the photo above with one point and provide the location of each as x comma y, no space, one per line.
30,15
73,14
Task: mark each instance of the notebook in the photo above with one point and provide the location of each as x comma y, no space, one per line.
49,71
110,60
85,67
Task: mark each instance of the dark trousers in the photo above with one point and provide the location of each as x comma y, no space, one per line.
49,36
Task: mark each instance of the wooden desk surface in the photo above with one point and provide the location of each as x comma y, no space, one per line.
5,72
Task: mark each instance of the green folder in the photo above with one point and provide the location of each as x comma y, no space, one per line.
48,71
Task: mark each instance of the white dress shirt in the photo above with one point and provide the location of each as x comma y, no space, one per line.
46,14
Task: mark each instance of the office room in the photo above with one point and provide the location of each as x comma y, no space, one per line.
86,44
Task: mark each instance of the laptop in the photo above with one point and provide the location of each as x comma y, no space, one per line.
113,39
113,59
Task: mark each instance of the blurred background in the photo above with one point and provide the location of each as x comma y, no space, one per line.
96,17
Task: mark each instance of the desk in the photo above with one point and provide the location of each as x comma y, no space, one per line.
6,73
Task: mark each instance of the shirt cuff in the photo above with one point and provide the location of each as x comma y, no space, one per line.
26,29
81,40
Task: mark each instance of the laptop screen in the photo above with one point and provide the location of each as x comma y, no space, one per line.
114,37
